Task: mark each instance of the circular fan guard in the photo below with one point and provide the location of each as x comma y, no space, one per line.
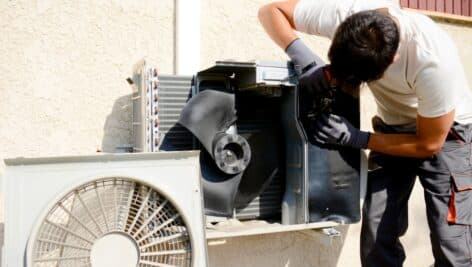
110,206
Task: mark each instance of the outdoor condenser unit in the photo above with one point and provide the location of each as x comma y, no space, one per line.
252,125
104,210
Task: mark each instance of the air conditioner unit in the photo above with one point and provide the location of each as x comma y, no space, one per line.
251,122
104,210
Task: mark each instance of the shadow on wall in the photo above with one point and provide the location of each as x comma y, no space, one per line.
117,131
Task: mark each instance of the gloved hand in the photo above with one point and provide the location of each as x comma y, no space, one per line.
330,129
315,80
311,70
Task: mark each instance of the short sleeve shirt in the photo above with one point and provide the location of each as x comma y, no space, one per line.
427,79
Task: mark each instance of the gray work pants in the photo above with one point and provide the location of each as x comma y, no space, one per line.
447,182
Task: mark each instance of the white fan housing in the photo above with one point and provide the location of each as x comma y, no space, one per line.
121,210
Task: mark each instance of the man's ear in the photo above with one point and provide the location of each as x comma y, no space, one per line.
396,57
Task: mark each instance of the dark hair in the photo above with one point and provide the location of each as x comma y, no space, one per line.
363,47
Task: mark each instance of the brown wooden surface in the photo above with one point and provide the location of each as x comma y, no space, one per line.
456,7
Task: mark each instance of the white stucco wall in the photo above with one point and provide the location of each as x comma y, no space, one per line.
63,69
62,83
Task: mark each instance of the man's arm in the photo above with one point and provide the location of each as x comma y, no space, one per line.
277,20
428,140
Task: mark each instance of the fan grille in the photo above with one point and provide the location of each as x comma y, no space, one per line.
112,205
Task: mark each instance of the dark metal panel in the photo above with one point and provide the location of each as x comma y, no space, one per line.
322,183
334,173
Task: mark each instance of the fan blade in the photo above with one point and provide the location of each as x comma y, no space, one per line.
219,188
208,113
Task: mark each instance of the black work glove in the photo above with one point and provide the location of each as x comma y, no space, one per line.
331,129
311,70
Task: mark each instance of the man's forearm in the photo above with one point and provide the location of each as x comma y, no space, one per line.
406,145
431,133
274,18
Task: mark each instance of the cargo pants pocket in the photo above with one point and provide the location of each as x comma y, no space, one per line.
457,158
460,204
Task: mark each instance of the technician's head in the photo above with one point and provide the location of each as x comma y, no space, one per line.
363,47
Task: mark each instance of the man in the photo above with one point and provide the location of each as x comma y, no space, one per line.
423,125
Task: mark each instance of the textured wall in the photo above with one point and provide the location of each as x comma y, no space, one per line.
62,84
63,69
239,36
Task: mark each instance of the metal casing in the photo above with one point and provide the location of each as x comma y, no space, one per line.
32,186
172,94
268,100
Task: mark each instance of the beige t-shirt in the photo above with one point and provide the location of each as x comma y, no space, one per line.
427,79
